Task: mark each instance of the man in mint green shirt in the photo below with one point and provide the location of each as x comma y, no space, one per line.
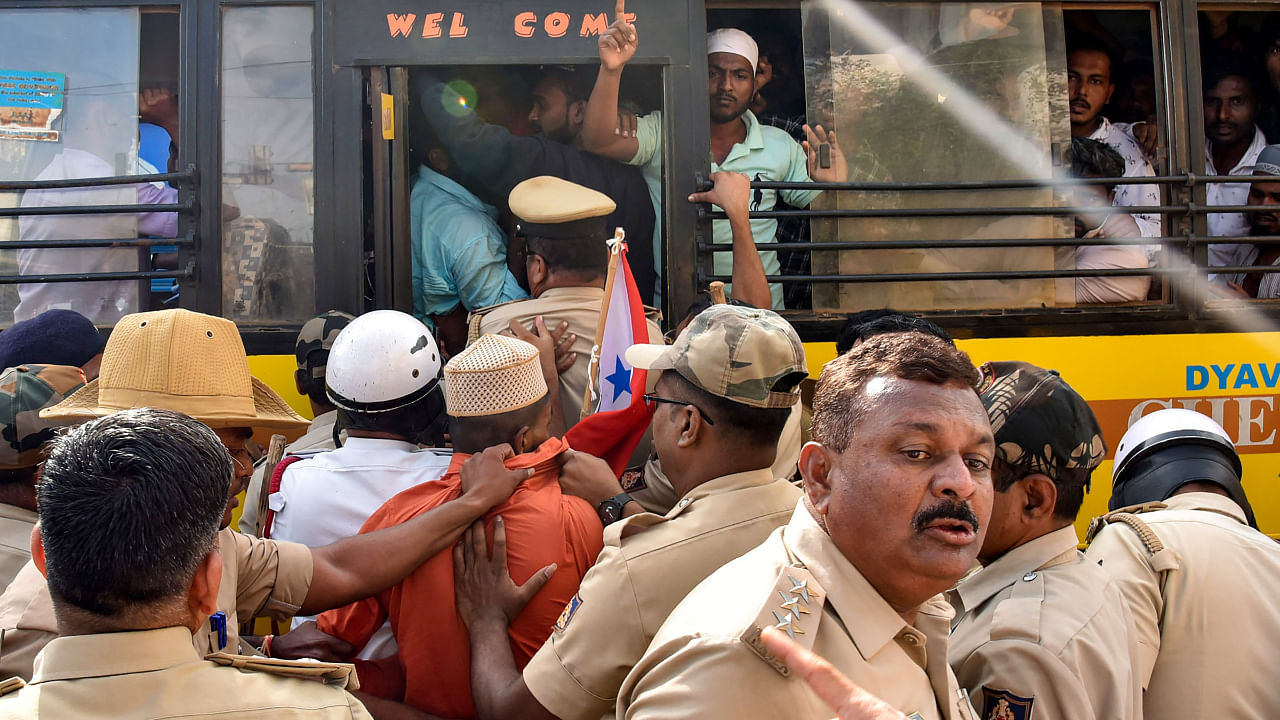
738,142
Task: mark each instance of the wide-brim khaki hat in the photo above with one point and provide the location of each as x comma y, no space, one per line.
184,361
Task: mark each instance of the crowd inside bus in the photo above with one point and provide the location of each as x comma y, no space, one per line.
522,500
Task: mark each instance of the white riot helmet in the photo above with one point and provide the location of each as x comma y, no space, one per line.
1170,448
383,361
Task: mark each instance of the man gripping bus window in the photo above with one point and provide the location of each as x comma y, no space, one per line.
738,141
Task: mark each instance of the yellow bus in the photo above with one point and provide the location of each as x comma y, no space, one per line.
279,134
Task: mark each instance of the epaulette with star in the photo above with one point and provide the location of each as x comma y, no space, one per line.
342,675
794,606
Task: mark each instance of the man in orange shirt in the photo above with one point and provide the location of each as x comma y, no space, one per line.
496,396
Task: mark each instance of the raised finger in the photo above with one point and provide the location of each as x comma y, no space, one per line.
620,10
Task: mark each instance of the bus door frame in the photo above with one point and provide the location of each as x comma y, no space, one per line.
358,58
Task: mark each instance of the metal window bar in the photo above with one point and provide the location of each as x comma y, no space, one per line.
1183,211
184,181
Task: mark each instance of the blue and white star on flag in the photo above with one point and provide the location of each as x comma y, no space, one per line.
620,379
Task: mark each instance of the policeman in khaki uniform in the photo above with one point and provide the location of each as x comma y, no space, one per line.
24,390
130,591
1200,581
196,364
723,396
311,350
566,263
897,491
1041,632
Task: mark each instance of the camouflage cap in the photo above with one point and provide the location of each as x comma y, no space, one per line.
743,354
1040,423
24,390
316,335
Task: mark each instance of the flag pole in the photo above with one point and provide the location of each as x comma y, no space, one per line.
615,249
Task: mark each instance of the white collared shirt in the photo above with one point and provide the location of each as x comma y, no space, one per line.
1231,224
1120,139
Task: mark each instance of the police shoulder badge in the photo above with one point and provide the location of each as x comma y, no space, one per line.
1004,705
566,615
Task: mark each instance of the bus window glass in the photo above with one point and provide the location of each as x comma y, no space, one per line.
69,108
267,164
953,93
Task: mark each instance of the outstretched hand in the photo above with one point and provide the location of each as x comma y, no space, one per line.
816,137
483,586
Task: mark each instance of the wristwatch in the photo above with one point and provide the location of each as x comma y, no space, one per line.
610,511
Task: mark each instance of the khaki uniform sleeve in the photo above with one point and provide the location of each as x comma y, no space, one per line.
273,577
578,671
1027,670
1121,553
690,678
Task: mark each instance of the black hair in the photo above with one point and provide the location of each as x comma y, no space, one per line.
422,421
585,256
757,427
868,323
1072,483
1082,40
1094,159
130,505
574,84
474,434
1219,66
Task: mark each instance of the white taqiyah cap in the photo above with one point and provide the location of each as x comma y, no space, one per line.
496,374
733,40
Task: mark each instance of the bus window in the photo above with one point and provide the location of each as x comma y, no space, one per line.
974,97
268,180
1240,72
74,85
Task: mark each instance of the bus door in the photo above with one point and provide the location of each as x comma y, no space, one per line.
469,81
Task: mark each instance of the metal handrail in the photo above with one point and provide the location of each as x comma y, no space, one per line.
187,240
21,185
186,272
133,209
1188,179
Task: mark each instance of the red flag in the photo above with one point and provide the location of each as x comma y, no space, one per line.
612,434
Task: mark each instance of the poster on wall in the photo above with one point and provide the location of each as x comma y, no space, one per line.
30,102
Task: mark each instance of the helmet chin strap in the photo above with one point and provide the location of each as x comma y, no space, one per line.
1158,476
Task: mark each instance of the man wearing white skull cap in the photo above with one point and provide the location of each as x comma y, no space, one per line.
739,143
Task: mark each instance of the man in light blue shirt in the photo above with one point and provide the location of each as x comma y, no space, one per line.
459,251
738,141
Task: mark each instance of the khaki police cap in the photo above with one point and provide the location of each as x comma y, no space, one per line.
553,208
496,374
179,360
743,354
